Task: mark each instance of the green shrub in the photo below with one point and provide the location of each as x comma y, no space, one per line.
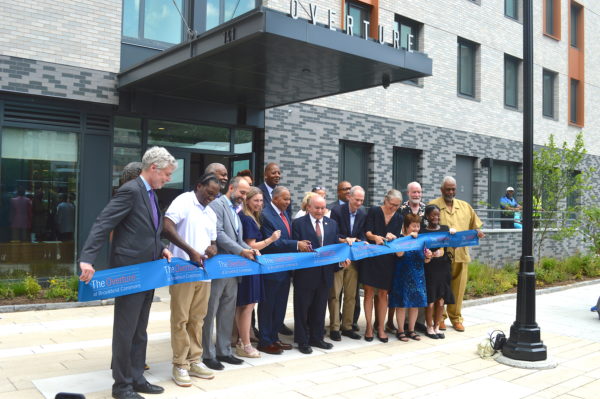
32,287
61,288
6,293
19,288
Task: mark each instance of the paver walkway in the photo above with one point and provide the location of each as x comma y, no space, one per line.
44,352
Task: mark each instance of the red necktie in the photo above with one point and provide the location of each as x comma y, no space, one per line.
318,231
287,225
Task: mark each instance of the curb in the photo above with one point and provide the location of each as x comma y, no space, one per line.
60,305
542,291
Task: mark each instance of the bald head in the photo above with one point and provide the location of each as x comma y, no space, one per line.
272,174
316,207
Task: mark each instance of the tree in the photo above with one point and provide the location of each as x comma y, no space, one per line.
559,180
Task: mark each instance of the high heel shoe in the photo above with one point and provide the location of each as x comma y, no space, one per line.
368,339
384,340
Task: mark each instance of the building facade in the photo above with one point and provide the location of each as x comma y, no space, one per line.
377,92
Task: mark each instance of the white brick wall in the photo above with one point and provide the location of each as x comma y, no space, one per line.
437,103
83,33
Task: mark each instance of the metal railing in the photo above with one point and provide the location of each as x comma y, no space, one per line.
499,218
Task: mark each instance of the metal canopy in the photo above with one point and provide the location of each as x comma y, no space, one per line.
266,59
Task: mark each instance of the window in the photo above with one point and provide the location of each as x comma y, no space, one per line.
548,93
39,174
354,164
406,167
467,53
511,9
220,11
358,13
511,81
575,22
552,18
153,20
501,175
184,135
574,103
127,141
409,33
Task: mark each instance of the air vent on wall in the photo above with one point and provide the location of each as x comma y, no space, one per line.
41,115
97,122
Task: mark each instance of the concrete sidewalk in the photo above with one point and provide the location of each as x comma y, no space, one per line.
45,352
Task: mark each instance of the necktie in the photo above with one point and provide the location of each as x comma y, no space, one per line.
287,225
154,208
318,231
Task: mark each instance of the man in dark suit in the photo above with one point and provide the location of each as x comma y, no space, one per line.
223,291
312,285
343,194
350,219
271,311
134,217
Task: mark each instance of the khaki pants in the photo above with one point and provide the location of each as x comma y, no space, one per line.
458,284
189,302
346,280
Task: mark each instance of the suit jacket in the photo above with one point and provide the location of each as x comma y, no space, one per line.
313,277
341,214
271,221
229,240
129,216
267,199
334,204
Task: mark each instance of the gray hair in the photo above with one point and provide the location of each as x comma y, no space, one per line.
235,181
393,194
277,191
448,179
158,156
412,183
356,189
130,172
213,167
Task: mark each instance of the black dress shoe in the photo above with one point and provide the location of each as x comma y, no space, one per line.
285,330
148,388
126,395
432,336
355,327
321,344
335,335
230,359
441,335
306,349
213,364
368,339
350,334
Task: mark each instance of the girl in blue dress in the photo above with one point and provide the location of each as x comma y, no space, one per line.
408,285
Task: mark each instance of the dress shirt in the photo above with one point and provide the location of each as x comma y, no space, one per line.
233,209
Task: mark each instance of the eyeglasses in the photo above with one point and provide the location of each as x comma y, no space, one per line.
317,188
345,188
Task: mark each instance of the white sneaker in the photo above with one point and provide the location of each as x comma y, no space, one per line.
201,371
247,351
181,377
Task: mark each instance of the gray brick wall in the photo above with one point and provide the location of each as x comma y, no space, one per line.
43,78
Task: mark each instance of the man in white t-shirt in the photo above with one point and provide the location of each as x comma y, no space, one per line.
191,226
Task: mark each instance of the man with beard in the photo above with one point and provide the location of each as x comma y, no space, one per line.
459,215
223,292
414,204
219,170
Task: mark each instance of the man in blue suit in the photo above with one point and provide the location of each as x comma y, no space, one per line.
312,285
271,311
272,178
350,218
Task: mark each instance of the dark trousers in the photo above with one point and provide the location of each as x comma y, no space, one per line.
130,339
357,305
310,305
271,311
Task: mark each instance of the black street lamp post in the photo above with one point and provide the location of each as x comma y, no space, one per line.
524,342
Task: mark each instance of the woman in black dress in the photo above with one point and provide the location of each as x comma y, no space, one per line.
250,288
383,223
437,276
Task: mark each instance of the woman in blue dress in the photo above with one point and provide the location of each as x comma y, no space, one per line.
250,288
408,285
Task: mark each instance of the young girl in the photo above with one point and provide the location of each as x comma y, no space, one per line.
408,285
437,276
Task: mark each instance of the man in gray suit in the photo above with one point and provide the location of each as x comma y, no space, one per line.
135,220
223,292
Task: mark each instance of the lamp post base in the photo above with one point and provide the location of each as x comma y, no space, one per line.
525,344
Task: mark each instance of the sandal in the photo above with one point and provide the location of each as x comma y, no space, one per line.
402,336
413,335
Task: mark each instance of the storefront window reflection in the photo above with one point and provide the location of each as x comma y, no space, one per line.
38,201
183,135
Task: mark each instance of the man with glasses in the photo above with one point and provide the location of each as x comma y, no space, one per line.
343,194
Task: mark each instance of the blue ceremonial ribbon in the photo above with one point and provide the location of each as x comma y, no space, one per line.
146,276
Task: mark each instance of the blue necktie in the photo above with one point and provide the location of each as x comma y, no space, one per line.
154,208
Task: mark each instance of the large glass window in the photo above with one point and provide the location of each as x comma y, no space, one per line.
502,175
354,164
220,11
359,13
184,135
127,145
511,8
467,52
511,81
574,29
38,198
549,78
154,20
